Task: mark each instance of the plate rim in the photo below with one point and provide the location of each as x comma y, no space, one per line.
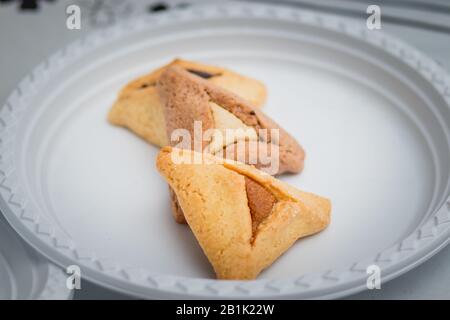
410,252
53,287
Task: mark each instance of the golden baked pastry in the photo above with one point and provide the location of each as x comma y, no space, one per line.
242,218
138,107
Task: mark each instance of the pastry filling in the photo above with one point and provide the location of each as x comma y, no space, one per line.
147,84
229,129
203,74
260,202
199,73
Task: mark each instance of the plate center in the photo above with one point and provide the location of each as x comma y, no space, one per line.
363,153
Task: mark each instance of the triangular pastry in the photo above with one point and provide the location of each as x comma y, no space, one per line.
189,99
138,107
242,218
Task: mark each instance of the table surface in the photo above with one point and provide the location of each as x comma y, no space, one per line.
29,36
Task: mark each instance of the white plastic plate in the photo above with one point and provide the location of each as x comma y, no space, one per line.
26,275
372,113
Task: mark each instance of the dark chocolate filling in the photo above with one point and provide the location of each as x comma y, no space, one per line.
203,74
146,85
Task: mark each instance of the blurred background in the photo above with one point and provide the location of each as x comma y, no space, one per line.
30,30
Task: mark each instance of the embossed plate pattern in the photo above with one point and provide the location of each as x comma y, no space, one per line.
26,275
